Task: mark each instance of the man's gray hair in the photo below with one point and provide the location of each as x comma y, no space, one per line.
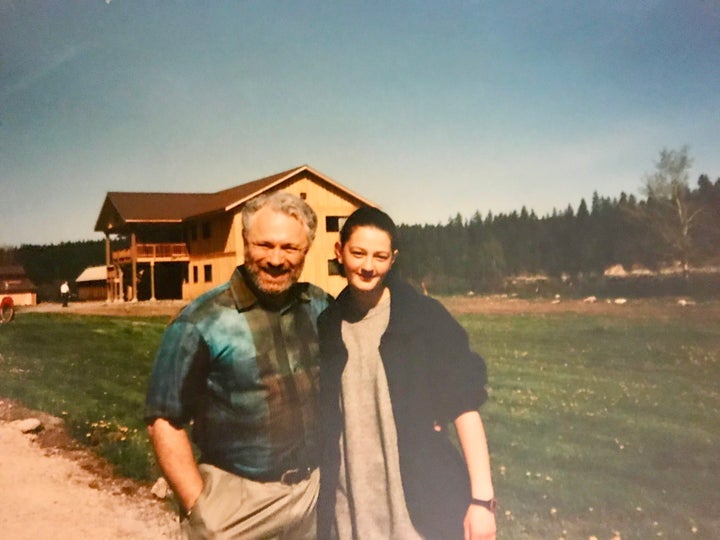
287,203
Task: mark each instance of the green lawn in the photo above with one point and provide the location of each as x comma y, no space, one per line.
596,424
600,425
90,370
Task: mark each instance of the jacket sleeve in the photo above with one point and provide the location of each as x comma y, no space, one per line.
461,373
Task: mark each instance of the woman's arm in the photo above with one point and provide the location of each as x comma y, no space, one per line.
479,523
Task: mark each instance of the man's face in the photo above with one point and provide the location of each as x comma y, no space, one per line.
275,248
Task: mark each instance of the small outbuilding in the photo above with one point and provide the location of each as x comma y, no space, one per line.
15,283
91,284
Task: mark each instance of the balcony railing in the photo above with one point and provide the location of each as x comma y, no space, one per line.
152,252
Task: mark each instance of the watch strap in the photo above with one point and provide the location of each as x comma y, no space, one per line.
490,504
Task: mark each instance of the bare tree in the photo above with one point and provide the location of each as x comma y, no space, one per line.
670,210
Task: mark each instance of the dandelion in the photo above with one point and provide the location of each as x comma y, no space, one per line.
638,508
553,511
693,529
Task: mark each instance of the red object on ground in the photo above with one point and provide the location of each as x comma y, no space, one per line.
7,310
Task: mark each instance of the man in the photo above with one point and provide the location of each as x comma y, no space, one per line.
241,362
65,293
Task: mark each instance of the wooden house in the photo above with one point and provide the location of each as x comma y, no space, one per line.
15,283
183,244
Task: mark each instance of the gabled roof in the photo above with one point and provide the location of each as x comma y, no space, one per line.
92,273
12,271
14,280
122,208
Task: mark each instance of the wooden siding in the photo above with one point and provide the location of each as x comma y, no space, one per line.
326,201
92,291
222,264
218,251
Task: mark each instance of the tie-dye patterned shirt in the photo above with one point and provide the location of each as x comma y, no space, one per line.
246,376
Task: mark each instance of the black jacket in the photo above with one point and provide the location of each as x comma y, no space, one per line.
433,378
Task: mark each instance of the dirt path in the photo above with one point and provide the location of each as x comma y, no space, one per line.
50,487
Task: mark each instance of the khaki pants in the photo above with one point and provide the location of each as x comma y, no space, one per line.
232,507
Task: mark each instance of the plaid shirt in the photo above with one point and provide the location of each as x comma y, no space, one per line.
247,377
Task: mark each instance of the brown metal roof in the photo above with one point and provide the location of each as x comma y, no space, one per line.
12,271
14,280
122,208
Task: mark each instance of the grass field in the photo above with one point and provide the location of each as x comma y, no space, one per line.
599,425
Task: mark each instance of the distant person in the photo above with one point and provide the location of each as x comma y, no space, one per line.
396,368
65,293
241,363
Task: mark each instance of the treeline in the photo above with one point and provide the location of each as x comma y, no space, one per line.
674,224
480,253
49,265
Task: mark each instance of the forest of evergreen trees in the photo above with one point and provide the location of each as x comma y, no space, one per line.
478,254
675,224
49,265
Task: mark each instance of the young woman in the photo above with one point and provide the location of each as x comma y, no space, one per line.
396,368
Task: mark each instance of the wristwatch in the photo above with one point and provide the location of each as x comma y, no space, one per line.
489,504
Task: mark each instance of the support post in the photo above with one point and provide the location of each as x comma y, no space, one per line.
152,280
133,252
110,284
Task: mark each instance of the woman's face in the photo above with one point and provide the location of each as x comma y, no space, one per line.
367,257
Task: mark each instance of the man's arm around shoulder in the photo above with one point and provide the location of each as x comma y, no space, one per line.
176,460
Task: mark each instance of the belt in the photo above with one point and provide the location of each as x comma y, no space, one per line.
288,477
295,476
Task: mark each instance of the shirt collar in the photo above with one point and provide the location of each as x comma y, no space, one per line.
245,298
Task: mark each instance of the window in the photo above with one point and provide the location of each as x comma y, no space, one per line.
208,272
206,229
193,232
195,274
303,196
334,223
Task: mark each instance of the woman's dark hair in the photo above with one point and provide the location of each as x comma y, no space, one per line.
369,216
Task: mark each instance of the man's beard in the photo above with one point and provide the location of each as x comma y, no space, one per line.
272,288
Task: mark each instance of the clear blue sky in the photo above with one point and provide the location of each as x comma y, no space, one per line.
428,108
